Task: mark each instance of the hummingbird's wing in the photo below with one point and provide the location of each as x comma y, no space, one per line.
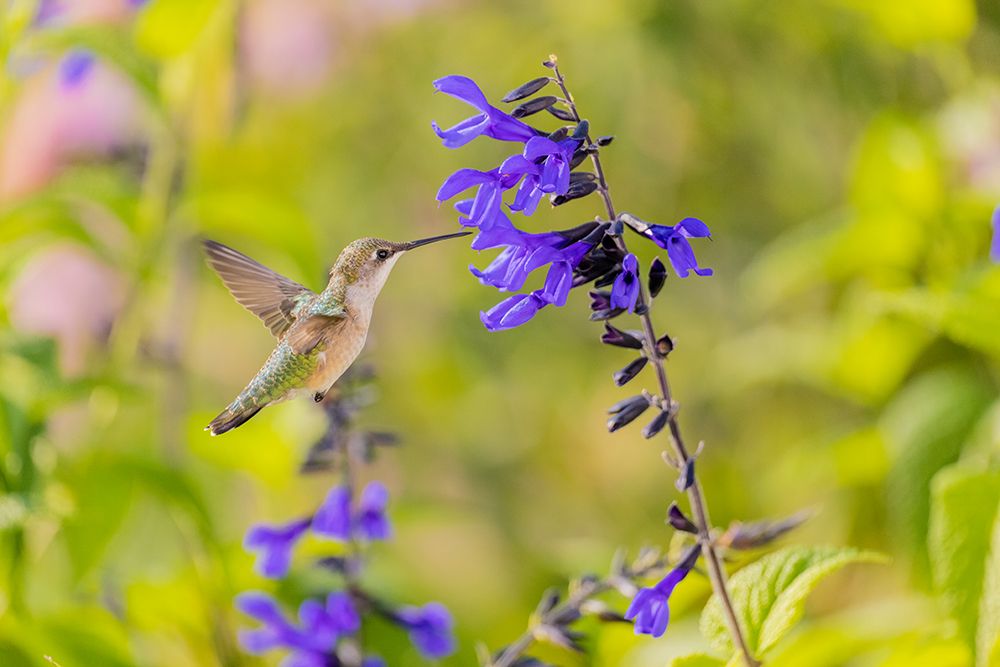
270,296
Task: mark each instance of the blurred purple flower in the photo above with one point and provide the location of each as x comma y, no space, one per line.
995,245
625,290
649,607
370,519
491,121
674,239
342,614
312,641
74,68
430,629
273,545
333,518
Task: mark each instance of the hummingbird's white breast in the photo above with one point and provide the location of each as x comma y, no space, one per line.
350,339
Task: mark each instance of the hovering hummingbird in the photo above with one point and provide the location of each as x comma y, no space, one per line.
319,335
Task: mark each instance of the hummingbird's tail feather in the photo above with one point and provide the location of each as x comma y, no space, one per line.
232,417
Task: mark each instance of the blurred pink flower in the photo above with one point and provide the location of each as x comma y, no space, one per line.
70,294
288,45
83,12
52,123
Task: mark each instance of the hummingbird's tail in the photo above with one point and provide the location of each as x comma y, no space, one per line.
233,416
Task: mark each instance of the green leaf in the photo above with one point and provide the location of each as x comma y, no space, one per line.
987,645
769,595
963,510
697,660
925,427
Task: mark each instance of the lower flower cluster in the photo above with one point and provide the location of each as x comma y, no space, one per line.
327,630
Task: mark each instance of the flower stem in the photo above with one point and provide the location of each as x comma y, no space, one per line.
716,572
571,607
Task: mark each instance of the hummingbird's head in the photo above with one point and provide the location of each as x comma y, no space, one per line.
365,264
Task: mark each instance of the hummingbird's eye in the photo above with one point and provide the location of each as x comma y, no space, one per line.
383,254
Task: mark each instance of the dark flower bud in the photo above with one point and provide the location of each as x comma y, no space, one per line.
550,63
578,157
600,304
608,277
582,232
623,376
548,602
582,130
655,426
561,114
604,141
657,276
560,636
625,412
609,314
581,177
619,338
686,478
575,191
559,134
336,564
526,661
688,560
526,89
641,309
677,519
533,106
600,300
758,534
597,234
664,346
617,228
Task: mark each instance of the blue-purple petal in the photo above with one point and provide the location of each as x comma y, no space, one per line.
462,88
273,546
333,518
75,67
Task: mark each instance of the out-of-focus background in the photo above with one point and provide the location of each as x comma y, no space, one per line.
846,155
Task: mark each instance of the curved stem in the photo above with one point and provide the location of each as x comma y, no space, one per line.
716,572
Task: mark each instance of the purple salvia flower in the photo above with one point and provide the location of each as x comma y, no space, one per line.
995,245
273,546
554,176
275,632
486,205
342,613
430,629
625,291
312,641
649,607
491,121
74,68
512,312
333,518
373,661
370,519
675,241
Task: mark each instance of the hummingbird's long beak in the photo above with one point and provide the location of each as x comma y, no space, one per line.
434,239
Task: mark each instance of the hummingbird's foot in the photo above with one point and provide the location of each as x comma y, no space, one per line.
319,396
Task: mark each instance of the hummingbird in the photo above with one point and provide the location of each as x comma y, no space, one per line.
319,335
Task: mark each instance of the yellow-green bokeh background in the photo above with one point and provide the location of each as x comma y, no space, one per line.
845,154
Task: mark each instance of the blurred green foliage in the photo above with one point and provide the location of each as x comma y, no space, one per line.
846,155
